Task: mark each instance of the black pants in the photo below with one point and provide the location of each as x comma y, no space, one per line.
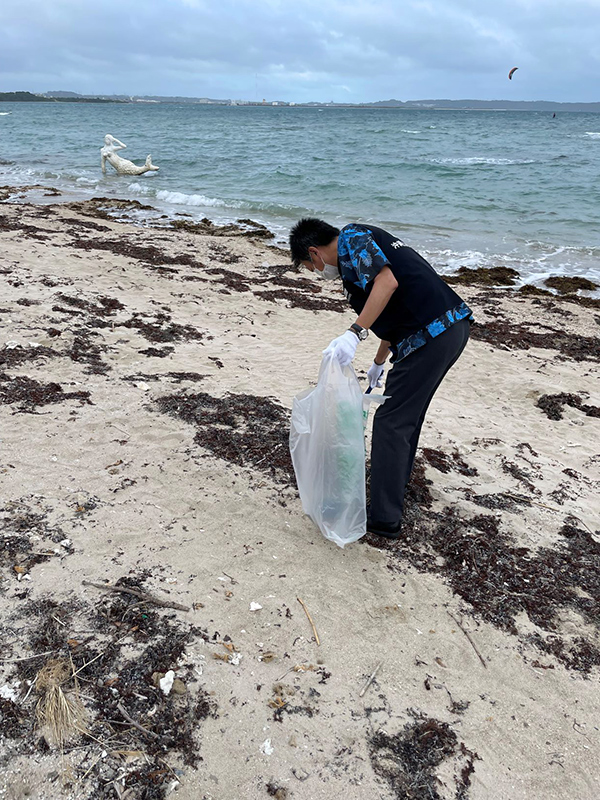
397,424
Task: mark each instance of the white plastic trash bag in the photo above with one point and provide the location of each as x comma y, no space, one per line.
327,446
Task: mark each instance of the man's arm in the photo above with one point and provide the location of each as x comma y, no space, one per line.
384,286
383,352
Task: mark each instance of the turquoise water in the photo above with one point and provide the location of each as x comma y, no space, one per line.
465,188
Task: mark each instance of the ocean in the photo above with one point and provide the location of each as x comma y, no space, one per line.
465,188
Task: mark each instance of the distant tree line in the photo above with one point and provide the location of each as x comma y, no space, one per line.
28,97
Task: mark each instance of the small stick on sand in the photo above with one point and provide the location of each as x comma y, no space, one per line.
466,633
25,658
134,723
148,598
370,680
310,620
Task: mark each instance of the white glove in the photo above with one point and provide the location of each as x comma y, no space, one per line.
374,375
343,348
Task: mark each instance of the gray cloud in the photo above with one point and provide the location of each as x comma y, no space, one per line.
310,50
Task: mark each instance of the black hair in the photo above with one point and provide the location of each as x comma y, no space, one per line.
310,232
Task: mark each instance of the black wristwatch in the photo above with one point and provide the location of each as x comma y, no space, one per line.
362,333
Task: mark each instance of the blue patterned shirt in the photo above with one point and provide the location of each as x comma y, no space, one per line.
422,307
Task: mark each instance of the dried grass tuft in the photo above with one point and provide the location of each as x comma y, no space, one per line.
59,711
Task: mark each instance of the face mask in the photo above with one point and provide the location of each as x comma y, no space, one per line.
330,273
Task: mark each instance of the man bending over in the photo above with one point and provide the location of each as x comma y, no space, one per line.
422,324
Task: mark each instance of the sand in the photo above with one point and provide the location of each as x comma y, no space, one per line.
485,690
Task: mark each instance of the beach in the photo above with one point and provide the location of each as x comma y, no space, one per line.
147,373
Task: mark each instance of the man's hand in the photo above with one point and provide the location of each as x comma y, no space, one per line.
374,375
343,348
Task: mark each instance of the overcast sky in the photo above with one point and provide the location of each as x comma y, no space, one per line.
301,50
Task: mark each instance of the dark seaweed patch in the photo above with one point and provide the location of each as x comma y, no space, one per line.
162,329
12,357
30,394
23,534
7,224
445,462
566,285
408,759
116,678
534,291
246,227
498,579
243,429
553,405
84,351
232,280
102,207
483,276
150,255
73,222
299,299
107,306
157,352
178,377
502,333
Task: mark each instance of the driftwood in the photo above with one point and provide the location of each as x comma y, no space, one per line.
135,724
147,598
310,619
466,633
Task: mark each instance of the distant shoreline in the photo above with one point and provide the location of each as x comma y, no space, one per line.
410,105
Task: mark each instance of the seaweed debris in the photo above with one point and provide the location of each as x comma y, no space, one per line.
14,356
84,351
30,394
553,405
157,352
23,531
244,429
408,759
528,290
178,377
102,207
162,329
7,224
121,686
483,276
566,285
498,579
246,227
299,299
445,462
502,333
150,254
107,306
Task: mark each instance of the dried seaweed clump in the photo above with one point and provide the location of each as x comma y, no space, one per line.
566,285
408,760
553,405
304,299
29,394
446,462
126,646
21,532
484,276
162,329
150,255
102,207
243,429
502,333
13,356
535,291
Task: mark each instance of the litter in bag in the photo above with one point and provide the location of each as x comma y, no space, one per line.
327,445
